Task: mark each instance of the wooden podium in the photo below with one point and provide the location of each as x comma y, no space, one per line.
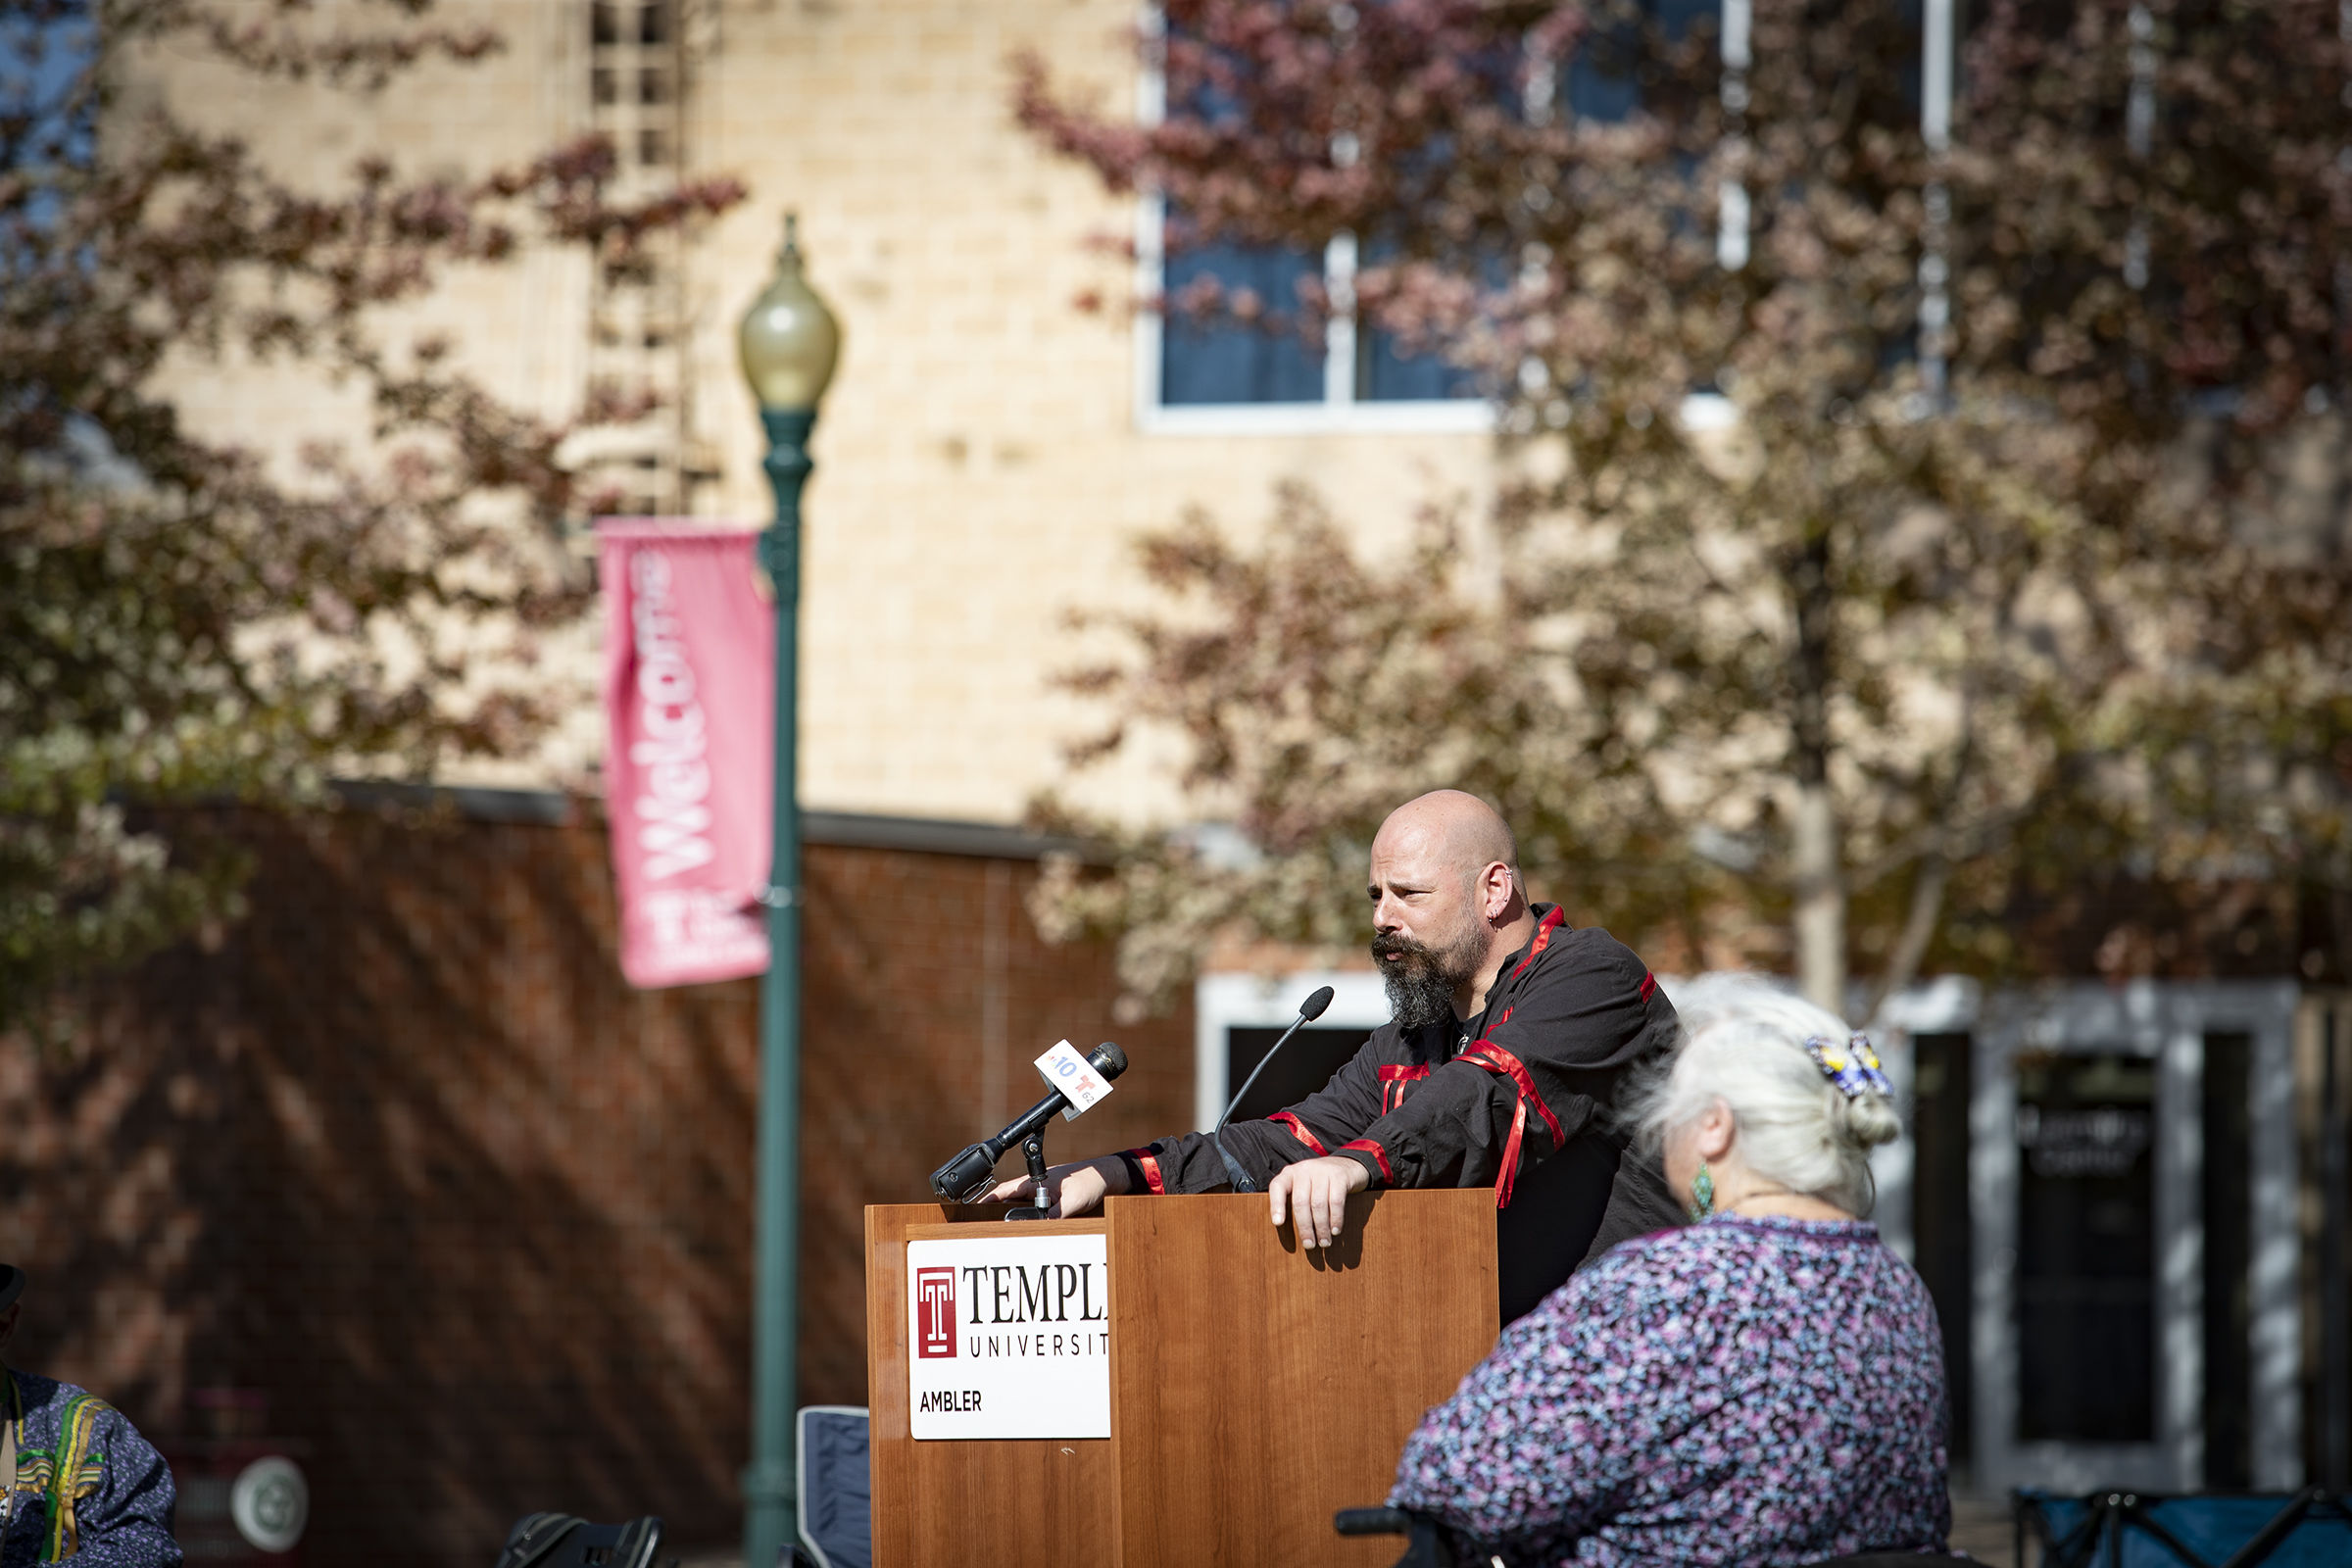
1255,1389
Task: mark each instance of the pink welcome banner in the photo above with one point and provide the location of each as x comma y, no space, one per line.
689,683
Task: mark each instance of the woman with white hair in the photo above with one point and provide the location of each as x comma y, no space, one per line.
1762,1387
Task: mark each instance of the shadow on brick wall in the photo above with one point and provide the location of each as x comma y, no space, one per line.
404,1154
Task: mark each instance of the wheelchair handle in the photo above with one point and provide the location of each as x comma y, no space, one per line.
1372,1522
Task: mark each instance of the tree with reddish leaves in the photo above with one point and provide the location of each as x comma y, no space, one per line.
179,620
1903,516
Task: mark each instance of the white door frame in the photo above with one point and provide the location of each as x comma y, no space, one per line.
2166,1021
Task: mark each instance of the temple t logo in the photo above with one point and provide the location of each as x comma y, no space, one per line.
935,1312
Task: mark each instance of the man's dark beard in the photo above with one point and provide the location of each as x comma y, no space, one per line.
1421,979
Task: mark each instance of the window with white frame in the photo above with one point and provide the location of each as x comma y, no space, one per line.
1216,371
1210,370
1212,373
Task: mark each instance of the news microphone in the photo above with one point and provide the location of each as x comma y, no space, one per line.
1309,1011
969,1174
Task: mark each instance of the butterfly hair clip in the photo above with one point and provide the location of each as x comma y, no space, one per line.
1853,1066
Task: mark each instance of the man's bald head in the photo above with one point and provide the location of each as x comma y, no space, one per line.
1466,834
1447,904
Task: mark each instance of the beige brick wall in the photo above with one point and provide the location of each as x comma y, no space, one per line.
981,470
522,326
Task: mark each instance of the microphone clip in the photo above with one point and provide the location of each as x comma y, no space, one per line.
1033,1151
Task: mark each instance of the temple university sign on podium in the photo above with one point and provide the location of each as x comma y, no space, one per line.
1009,1337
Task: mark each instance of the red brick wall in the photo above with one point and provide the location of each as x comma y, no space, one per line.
404,1151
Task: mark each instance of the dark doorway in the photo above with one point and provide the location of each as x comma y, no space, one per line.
2331,1294
1941,1230
2228,1201
1305,1065
2085,1226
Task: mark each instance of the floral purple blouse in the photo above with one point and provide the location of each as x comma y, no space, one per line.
1745,1391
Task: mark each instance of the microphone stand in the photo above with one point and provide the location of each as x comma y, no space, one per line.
1033,1149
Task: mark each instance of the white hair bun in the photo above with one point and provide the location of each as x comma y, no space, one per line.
1870,1119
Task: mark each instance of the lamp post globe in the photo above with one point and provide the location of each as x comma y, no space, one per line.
789,343
788,340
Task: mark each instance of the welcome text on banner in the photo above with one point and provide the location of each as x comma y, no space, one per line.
689,684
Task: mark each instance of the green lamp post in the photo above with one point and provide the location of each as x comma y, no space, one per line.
789,342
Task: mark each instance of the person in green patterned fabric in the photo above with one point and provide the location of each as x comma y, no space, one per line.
87,1487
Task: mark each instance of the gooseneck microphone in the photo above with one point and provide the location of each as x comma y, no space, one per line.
1309,1011
969,1174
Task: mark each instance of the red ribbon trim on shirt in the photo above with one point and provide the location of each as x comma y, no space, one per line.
1494,1059
1392,1079
1151,1169
1299,1131
1368,1147
1650,985
1552,920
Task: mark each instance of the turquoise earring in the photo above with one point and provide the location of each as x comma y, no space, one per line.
1702,1194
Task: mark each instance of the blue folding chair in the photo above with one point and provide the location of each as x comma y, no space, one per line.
2308,1529
837,1485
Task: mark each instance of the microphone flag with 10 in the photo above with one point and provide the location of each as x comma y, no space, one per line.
1069,1073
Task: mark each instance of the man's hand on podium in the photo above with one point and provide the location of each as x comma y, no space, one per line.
1072,1190
1316,1191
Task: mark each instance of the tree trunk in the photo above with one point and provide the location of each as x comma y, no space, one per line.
1815,866
1820,900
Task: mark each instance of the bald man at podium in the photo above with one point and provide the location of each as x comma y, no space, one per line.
1513,1033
